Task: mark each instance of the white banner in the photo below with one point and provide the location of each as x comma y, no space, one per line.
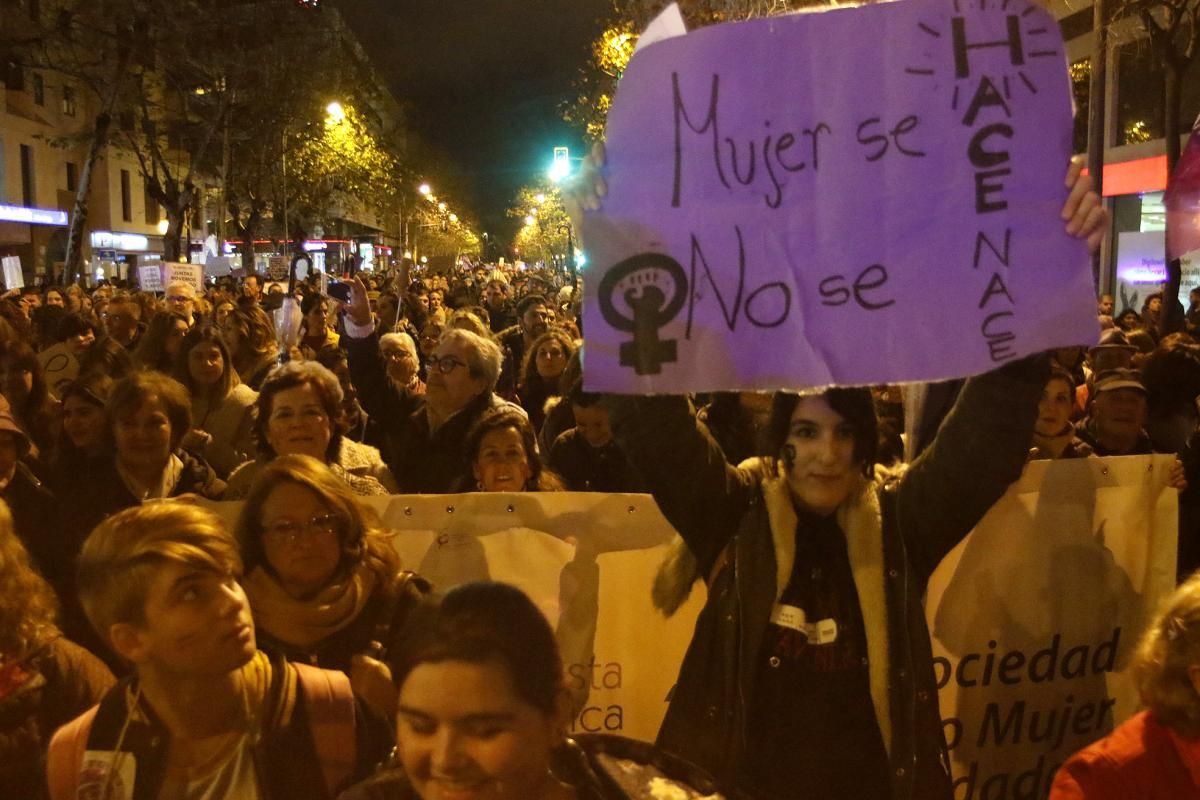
587,560
14,276
1034,617
193,274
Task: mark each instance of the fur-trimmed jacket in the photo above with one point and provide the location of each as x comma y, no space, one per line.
740,528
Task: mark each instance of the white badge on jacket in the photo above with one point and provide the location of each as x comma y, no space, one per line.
823,631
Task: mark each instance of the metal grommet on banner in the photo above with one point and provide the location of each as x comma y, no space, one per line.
449,509
1150,467
443,540
510,508
773,661
1104,470
408,511
632,509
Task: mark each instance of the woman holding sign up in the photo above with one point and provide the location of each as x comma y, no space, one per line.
810,671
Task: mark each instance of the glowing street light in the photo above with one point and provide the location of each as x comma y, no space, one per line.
454,217
530,220
162,226
441,206
561,167
408,254
424,260
540,199
334,112
424,189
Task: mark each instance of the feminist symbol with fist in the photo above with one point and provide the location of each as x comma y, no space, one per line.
644,282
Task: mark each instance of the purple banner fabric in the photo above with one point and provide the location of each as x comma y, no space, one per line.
857,196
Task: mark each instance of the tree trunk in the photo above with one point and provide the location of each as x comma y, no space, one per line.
79,215
171,243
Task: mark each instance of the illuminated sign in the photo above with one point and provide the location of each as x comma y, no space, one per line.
1141,257
34,216
107,240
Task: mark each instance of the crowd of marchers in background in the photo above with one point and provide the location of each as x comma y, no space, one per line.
300,403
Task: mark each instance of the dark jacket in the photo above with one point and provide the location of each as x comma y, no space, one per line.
286,760
731,521
584,468
102,493
62,680
387,407
423,461
588,764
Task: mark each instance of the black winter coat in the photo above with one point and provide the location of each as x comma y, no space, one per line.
726,516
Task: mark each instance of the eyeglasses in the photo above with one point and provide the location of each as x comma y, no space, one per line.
179,298
445,364
289,531
396,355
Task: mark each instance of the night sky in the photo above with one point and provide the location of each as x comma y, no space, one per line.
484,80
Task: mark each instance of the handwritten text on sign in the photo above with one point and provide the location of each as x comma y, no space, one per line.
856,196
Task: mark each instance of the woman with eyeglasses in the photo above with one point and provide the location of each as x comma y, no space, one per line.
324,583
298,412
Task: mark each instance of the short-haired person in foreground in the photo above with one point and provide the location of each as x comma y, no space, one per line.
484,713
1155,754
204,713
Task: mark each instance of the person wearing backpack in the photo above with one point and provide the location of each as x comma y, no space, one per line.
203,713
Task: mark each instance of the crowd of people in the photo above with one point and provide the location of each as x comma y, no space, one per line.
150,649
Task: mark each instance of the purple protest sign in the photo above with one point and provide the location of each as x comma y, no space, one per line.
862,195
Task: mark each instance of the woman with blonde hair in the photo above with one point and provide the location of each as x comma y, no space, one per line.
1155,753
45,680
323,580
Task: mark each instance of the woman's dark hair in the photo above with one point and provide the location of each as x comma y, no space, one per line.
133,390
854,405
1058,373
205,334
482,623
21,356
540,478
311,301
292,375
76,324
530,377
93,388
151,351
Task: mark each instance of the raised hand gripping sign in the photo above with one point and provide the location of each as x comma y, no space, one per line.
862,195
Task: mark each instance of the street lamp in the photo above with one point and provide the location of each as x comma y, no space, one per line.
454,217
424,189
334,112
441,206
529,220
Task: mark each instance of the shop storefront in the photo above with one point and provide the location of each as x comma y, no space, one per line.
117,255
31,234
